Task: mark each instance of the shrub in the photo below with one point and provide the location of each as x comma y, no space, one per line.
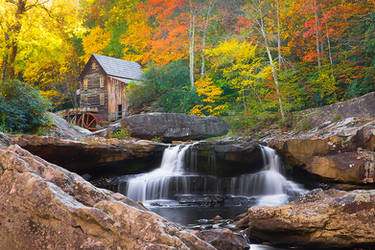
304,125
121,134
157,139
337,117
22,108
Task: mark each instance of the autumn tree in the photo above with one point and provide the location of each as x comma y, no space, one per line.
255,11
210,94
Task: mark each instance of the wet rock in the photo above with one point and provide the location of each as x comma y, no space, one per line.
243,223
172,126
225,158
44,206
84,155
223,239
320,219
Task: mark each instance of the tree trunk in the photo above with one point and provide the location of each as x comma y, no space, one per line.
278,33
329,46
274,73
12,59
317,33
205,28
4,68
15,29
192,45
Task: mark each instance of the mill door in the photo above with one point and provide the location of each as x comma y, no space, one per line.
119,111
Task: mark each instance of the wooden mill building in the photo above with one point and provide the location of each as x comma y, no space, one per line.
103,83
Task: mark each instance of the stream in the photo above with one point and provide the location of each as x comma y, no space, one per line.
177,191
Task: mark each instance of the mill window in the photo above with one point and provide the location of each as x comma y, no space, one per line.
85,83
102,99
101,81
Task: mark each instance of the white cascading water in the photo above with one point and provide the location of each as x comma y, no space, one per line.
269,186
269,183
155,184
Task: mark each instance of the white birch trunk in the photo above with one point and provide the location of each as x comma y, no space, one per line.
191,46
317,33
274,73
205,28
278,33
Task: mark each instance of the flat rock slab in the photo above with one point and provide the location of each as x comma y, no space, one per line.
320,219
43,206
82,155
172,126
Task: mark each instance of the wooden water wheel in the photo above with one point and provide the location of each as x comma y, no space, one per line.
88,121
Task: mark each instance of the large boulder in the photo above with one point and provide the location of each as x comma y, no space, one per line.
44,206
132,156
335,151
172,126
320,219
223,238
65,130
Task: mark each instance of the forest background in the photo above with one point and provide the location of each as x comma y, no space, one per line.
250,62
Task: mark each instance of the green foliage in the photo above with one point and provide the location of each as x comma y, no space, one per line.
22,108
168,86
242,124
288,167
303,125
157,139
121,134
336,117
140,95
114,47
358,88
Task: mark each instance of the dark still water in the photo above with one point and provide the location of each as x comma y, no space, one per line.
191,215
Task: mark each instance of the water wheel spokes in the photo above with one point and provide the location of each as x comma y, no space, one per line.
88,121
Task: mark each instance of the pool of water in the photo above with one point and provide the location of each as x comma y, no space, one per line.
190,215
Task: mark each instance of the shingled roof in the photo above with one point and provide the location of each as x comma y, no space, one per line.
119,68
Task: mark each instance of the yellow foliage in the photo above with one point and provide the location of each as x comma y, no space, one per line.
95,42
205,88
240,63
136,41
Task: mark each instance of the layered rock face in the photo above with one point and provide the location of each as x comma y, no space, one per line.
321,219
135,156
44,206
335,151
81,156
226,158
362,107
172,126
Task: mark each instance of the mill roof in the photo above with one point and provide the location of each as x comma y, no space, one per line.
119,68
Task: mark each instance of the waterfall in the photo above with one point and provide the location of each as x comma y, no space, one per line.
156,184
173,179
269,184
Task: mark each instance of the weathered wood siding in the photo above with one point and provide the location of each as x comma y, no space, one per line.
93,91
117,96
